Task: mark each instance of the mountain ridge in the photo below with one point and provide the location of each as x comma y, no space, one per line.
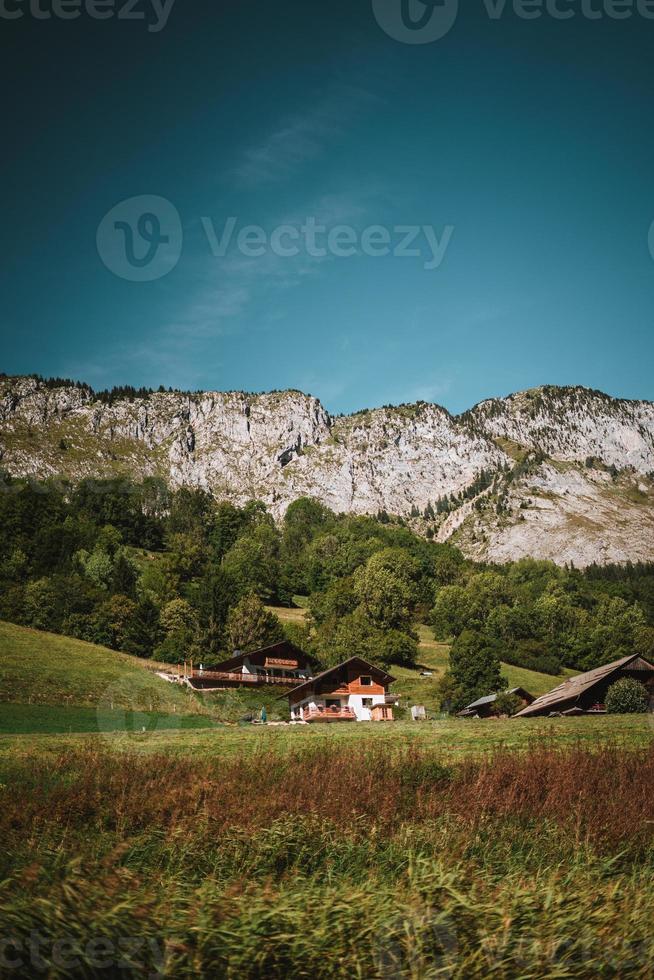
560,472
145,392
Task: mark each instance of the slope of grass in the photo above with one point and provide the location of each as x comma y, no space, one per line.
285,614
43,669
47,669
51,683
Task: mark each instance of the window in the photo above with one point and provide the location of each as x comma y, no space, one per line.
366,681
366,702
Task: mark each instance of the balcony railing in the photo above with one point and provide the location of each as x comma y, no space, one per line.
329,714
252,680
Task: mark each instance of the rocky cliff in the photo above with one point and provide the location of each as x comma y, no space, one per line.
563,473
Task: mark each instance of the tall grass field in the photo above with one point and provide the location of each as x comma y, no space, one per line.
333,857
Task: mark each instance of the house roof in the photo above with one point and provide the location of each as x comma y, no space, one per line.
572,688
490,698
284,646
386,678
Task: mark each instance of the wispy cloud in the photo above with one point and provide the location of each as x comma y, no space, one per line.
433,392
209,311
298,139
226,291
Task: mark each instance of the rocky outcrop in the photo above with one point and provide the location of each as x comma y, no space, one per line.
573,424
281,445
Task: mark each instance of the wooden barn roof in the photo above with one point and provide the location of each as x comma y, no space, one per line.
572,688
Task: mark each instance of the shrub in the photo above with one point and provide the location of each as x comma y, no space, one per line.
507,703
396,647
627,697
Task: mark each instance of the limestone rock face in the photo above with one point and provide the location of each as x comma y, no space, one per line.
568,471
574,424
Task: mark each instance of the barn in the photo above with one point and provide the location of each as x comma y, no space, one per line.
485,707
585,694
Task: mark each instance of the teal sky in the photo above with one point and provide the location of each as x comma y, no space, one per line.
531,139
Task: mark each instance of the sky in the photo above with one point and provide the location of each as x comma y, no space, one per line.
511,158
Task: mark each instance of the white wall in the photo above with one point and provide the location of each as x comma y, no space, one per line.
355,701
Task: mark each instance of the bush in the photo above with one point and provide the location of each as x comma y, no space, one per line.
507,704
396,647
627,697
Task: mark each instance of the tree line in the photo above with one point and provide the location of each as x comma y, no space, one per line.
173,575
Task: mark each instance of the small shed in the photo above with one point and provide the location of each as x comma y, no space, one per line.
485,707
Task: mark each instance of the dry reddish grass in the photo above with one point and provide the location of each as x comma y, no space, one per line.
604,797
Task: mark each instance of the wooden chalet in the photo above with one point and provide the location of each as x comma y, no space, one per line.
585,694
485,707
352,691
281,664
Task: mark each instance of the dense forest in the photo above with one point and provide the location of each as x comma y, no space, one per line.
174,575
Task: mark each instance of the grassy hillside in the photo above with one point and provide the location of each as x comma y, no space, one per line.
295,616
434,656
47,669
51,683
